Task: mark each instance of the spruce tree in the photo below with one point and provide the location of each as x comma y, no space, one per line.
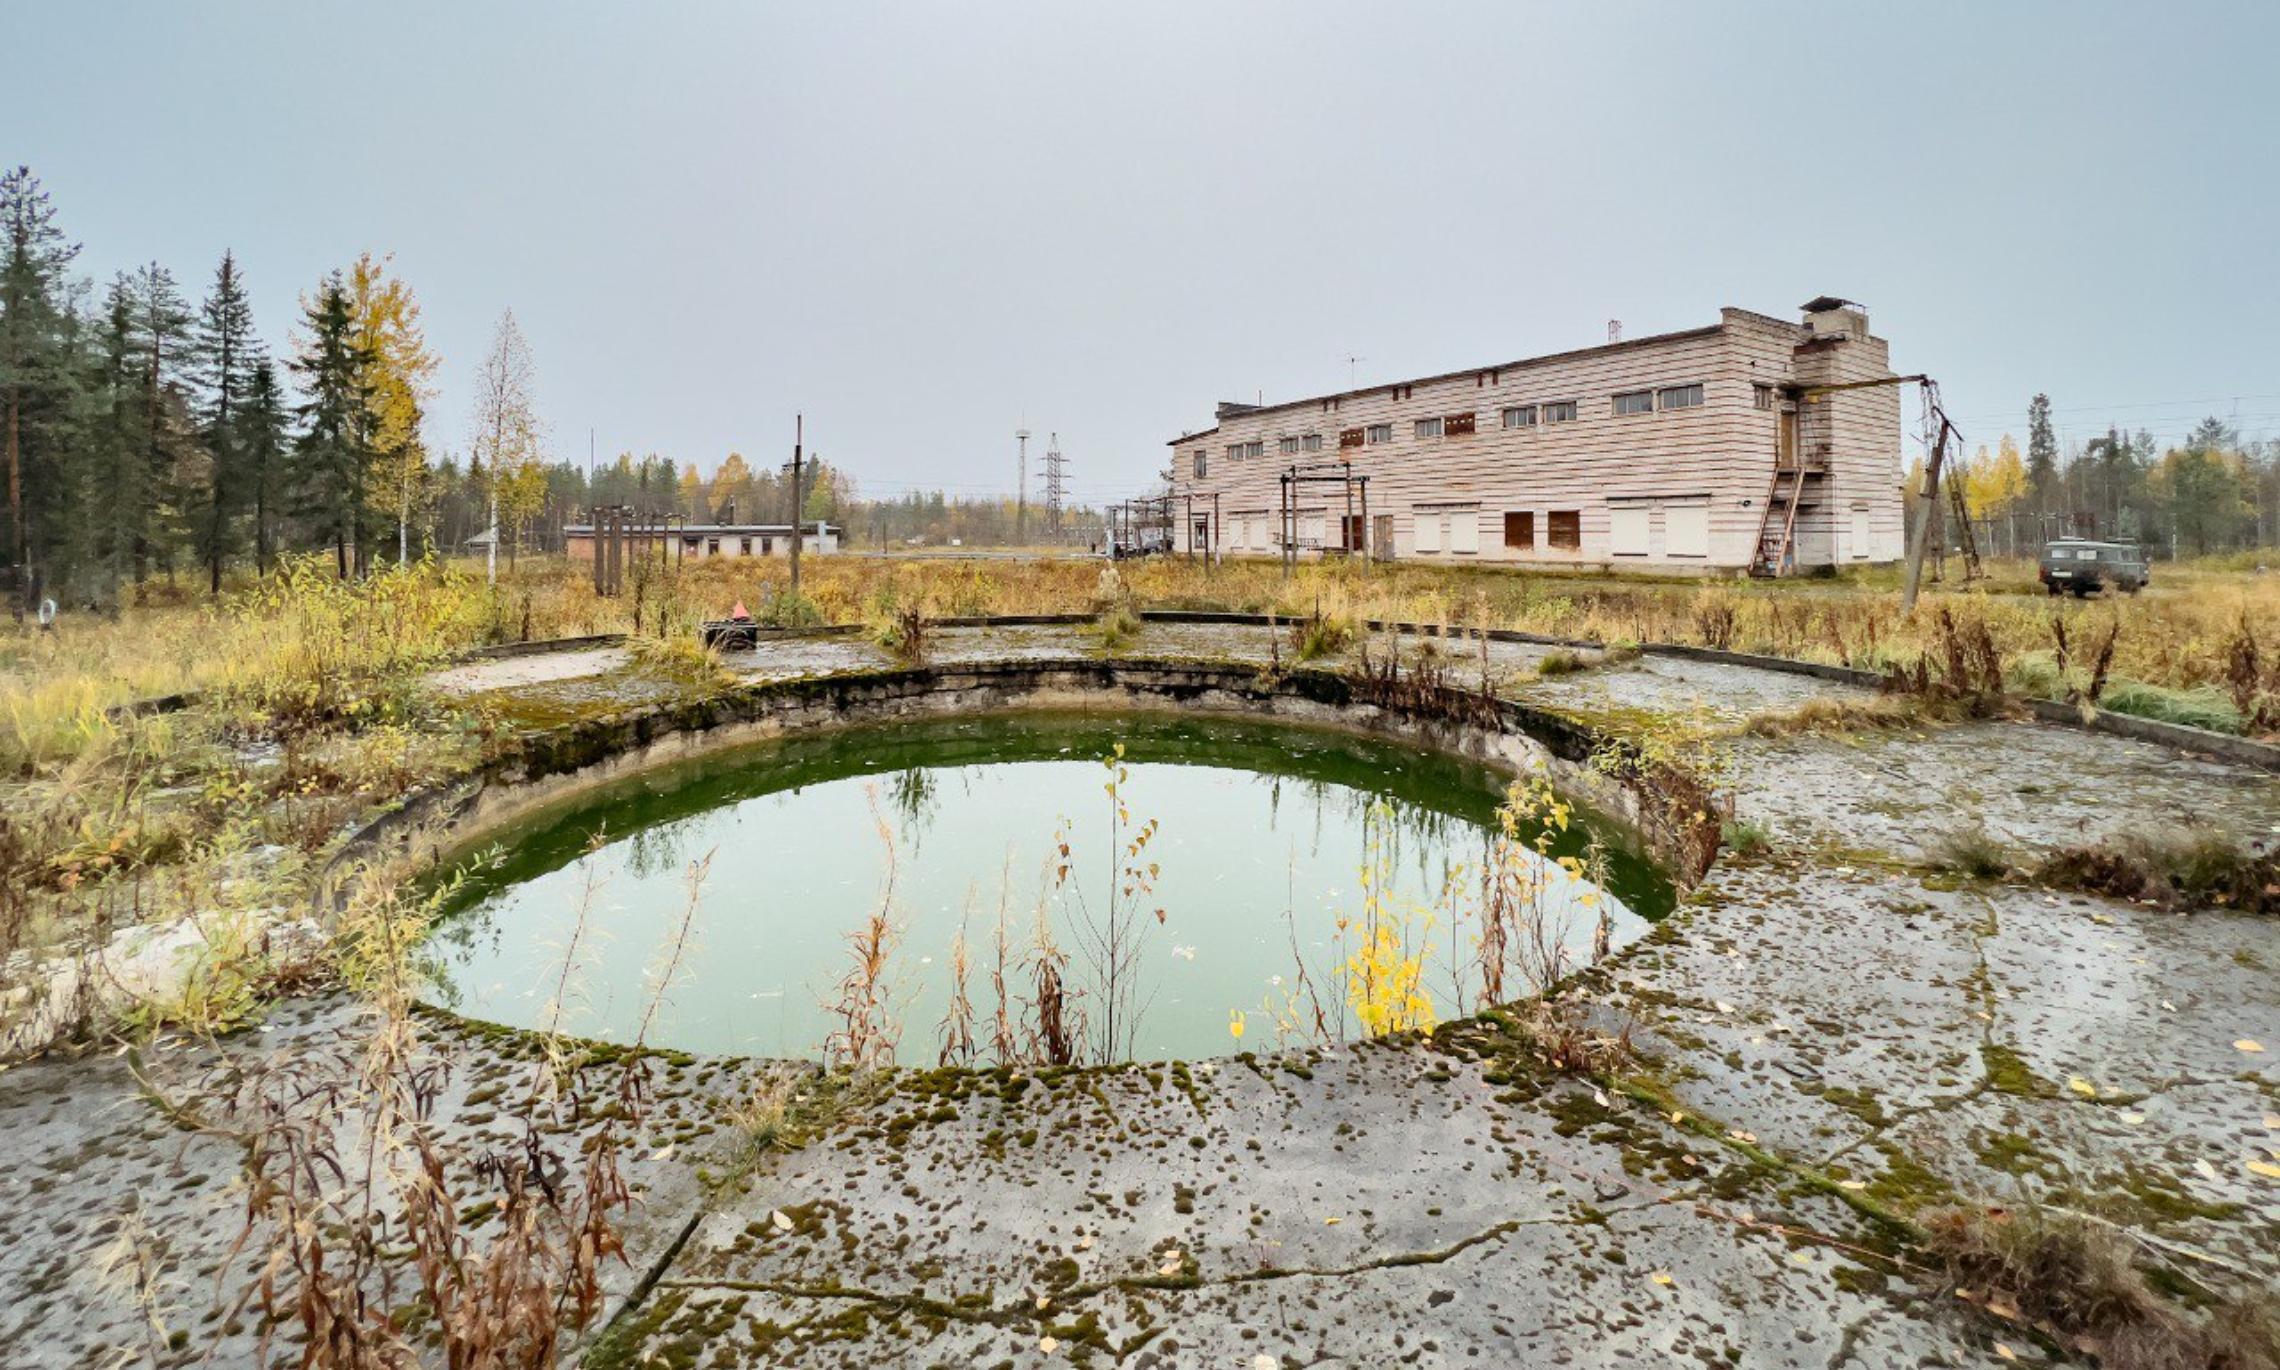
161,331
118,476
2042,452
225,355
37,381
332,472
261,426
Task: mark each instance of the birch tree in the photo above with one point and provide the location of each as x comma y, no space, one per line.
400,370
506,433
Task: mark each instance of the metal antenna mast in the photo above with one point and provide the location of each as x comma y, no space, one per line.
1021,490
1056,472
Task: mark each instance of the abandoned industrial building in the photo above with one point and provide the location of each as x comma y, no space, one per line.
693,541
1736,446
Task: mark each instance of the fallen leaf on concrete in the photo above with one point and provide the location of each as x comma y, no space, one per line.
1265,1363
2265,1168
2005,1352
2133,1119
2204,1170
781,1219
1048,1345
2272,1121
2245,1044
1852,1184
2082,1087
1660,1277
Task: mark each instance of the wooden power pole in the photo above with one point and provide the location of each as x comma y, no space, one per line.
799,434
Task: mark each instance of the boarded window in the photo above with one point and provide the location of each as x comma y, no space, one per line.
1564,528
1560,411
1635,402
1457,425
1686,530
1679,397
1350,437
1520,416
1464,531
1520,529
1428,536
1627,530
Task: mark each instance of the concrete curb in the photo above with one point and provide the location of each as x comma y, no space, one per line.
2243,751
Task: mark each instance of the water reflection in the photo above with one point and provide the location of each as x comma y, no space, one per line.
1275,850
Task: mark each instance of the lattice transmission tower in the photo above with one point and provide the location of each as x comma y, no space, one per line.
1056,474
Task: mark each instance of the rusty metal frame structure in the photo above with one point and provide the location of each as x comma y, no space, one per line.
1339,473
624,535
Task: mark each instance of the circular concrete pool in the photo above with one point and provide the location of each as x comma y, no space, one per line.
1224,877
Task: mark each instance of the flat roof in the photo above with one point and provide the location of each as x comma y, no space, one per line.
1524,363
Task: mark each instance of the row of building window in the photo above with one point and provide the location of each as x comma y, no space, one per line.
1452,425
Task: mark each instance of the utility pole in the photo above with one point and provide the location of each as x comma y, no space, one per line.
1056,472
799,435
1021,491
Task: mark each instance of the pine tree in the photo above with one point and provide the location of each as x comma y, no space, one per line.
2042,452
161,332
36,380
262,449
332,466
226,352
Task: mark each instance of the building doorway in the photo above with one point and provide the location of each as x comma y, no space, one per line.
1381,537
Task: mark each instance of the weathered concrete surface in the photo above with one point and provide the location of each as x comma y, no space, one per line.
508,673
1705,694
1931,1042
122,1215
1377,1205
1836,1004
2032,786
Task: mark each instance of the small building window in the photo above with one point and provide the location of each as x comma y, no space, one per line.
1635,402
1255,449
1426,428
1312,442
1286,445
1202,464
1563,528
1520,529
1520,416
1380,432
712,547
1679,397
744,545
1763,395
1560,411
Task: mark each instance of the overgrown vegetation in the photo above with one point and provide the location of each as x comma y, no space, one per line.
2077,1281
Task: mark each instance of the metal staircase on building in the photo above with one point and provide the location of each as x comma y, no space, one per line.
1777,529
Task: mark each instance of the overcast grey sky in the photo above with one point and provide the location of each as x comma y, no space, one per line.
924,225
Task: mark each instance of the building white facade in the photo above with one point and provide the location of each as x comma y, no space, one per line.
1656,453
698,540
